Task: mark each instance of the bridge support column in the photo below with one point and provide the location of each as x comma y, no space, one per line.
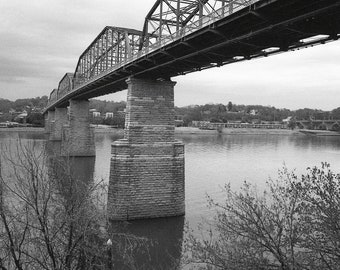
46,124
147,166
78,138
60,119
49,121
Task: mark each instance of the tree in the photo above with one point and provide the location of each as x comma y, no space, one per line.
36,119
5,105
230,106
117,120
293,226
46,216
49,217
336,113
319,192
292,124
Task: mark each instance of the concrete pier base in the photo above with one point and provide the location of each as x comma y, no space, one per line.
78,137
147,166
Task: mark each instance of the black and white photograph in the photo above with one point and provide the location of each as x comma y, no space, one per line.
170,135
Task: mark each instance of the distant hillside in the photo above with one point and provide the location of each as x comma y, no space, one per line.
249,113
37,103
20,105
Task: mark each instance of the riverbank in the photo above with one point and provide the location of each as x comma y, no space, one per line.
193,130
237,131
23,129
42,130
107,129
310,132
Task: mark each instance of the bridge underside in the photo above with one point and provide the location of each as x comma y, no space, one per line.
246,34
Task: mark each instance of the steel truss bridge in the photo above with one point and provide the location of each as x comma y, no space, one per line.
183,36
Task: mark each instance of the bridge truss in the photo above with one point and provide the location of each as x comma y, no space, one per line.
167,20
168,17
113,46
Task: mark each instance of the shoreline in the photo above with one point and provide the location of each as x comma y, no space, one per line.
236,131
23,129
194,130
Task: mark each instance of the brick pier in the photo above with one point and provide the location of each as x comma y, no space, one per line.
78,137
60,119
49,121
147,166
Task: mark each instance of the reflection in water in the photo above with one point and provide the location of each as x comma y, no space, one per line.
78,169
103,143
52,148
81,168
163,247
316,142
74,175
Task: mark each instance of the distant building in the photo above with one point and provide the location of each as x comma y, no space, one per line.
8,124
22,115
108,115
287,120
94,113
253,112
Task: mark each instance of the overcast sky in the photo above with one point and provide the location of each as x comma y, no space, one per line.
41,40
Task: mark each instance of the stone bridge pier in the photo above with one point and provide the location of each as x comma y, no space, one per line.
60,119
72,128
49,121
147,166
78,136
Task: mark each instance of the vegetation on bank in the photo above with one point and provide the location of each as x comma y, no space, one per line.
294,225
250,113
52,218
223,113
23,111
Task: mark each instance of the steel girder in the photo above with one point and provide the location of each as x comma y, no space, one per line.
113,46
168,17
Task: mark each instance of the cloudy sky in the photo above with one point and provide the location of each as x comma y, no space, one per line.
41,40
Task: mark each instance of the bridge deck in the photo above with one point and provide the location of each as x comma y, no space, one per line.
265,27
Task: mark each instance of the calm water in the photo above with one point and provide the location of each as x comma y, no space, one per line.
210,162
213,161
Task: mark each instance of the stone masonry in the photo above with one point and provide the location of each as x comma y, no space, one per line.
78,137
49,121
60,119
147,166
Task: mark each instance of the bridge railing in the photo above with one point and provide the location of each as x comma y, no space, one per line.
202,22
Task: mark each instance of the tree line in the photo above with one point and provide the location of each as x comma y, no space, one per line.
209,112
249,113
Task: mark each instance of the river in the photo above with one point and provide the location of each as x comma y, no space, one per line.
211,161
